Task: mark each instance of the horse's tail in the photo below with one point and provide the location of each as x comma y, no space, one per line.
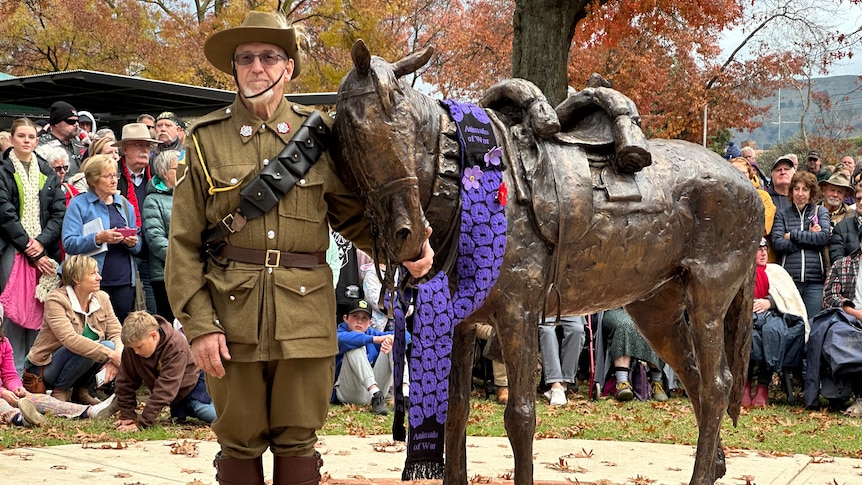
737,342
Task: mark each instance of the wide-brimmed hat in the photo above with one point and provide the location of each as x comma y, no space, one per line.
838,179
135,132
267,28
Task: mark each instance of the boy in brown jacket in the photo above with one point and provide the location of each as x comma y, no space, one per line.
159,357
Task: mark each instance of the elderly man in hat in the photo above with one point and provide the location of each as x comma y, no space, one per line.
134,177
63,132
835,190
782,171
246,272
169,128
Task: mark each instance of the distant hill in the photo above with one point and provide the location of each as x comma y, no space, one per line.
846,95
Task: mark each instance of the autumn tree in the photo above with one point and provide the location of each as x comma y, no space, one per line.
42,36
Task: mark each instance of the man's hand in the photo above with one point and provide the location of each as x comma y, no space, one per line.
422,266
208,351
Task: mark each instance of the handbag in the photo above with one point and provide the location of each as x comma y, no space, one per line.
18,297
34,383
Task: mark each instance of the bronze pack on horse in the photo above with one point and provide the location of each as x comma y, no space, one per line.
586,231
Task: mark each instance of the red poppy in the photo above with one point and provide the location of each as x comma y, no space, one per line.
502,193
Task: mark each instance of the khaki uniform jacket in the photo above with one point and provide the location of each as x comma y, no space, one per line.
265,313
63,326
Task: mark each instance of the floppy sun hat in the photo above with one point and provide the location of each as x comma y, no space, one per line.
267,28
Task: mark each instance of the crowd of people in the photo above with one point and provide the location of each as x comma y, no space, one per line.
811,239
76,260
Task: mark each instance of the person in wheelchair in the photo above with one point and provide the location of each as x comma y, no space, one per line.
834,363
779,328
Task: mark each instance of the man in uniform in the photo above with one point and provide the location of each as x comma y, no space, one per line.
257,305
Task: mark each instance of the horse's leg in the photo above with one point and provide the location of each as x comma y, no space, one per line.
460,376
660,320
517,329
708,305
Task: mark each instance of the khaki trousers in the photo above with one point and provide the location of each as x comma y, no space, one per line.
278,405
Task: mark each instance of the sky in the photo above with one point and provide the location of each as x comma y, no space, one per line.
849,21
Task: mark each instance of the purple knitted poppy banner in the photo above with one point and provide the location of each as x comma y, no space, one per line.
481,244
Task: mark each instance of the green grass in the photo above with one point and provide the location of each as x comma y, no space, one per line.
778,429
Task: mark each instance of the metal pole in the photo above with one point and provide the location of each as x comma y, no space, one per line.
704,125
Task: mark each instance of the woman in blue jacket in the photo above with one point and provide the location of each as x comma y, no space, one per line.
101,223
799,235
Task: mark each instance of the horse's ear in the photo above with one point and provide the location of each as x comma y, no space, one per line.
412,62
361,57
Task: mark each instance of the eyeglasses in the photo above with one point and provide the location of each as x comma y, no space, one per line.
111,176
267,59
71,121
61,168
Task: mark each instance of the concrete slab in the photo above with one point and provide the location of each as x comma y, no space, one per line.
351,460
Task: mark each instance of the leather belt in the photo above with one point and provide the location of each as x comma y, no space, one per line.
272,258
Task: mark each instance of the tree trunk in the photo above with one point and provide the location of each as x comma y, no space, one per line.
543,32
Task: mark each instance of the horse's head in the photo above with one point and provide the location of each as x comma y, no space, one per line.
379,127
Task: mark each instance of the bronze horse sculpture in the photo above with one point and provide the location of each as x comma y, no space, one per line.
583,236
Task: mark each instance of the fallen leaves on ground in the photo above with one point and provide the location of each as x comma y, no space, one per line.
389,446
187,448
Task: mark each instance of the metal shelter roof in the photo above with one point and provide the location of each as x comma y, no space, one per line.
114,97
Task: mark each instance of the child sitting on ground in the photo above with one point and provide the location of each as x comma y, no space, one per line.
364,365
19,407
159,357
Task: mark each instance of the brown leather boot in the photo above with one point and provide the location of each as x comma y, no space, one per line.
238,471
61,394
297,470
82,396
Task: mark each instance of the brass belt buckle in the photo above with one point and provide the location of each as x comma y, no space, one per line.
272,252
228,221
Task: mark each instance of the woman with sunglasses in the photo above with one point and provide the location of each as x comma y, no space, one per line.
101,223
31,218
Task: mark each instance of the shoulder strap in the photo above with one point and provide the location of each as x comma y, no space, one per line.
276,178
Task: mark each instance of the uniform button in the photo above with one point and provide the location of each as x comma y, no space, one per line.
232,298
270,234
302,289
232,181
265,162
227,110
269,270
262,127
301,181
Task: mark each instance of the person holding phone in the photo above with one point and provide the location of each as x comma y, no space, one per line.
799,234
101,223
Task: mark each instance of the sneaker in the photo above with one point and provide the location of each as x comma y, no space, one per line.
855,409
30,416
624,391
658,393
104,409
556,397
378,404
